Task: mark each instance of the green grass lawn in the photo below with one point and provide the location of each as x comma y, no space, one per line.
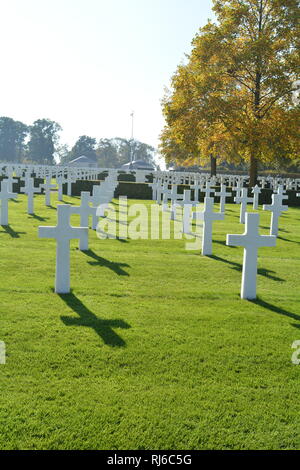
154,349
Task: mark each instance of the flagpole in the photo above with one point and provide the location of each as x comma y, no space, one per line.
132,118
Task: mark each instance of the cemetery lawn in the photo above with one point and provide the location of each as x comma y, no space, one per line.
153,349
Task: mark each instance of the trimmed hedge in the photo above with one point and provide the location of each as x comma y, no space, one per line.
20,184
265,197
142,191
81,185
125,188
134,190
126,177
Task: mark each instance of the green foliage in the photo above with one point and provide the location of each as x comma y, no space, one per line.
62,153
12,139
154,348
43,139
109,153
113,153
85,145
43,146
233,99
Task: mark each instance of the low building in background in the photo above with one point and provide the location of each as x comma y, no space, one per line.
83,161
138,165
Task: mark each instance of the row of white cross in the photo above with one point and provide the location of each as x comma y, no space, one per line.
171,177
192,178
64,232
250,240
161,193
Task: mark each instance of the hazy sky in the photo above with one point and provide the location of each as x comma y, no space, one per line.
88,63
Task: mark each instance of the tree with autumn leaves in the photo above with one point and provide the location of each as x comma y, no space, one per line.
233,99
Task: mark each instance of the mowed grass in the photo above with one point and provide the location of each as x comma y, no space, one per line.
153,349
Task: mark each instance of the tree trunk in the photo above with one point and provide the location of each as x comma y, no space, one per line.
257,101
253,171
213,166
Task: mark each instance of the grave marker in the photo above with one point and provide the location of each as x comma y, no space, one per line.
256,190
251,241
208,216
243,199
63,232
85,211
276,208
30,190
222,194
5,195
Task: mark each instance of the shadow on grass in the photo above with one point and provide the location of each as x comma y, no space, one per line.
286,240
103,328
223,242
99,261
274,308
15,200
280,230
38,217
11,231
238,267
111,236
122,240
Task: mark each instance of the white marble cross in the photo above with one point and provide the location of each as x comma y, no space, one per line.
100,200
63,232
207,189
26,177
256,190
60,180
187,204
5,195
11,180
222,194
276,208
174,195
84,210
30,190
154,186
70,180
159,191
263,182
174,204
166,192
243,199
208,216
238,188
251,241
197,186
47,186
282,191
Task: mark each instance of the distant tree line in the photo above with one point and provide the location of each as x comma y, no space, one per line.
39,144
22,143
108,153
